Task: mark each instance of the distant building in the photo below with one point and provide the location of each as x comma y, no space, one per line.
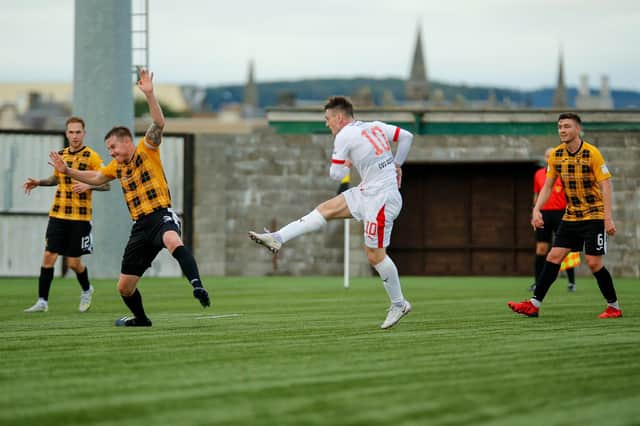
9,118
44,114
417,87
585,100
560,94
362,97
250,105
46,106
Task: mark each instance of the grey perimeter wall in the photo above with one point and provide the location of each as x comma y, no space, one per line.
264,179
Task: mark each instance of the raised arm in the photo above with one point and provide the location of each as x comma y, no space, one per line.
92,177
154,132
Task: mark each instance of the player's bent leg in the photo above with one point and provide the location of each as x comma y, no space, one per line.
605,284
557,254
127,284
49,259
190,270
549,274
594,263
388,272
44,282
542,249
267,239
335,208
332,209
133,299
82,274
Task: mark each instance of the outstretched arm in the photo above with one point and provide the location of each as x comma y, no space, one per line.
145,84
32,183
92,177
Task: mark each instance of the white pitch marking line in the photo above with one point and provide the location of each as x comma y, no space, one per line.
218,316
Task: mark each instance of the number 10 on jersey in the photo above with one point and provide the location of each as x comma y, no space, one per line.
377,139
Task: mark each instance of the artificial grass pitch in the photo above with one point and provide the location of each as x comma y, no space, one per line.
305,351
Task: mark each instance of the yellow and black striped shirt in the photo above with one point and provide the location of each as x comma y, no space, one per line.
67,204
581,173
143,182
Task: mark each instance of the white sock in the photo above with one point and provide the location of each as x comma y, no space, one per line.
391,280
309,223
614,305
40,299
535,302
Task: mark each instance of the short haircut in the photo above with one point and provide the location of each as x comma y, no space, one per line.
340,103
570,116
119,132
74,119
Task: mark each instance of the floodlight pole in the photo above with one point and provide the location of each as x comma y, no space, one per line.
103,97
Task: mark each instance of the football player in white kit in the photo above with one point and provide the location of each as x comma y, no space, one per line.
376,201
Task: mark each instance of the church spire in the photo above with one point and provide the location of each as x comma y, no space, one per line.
417,87
560,95
250,95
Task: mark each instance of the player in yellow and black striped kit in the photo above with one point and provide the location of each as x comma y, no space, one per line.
588,218
146,192
69,228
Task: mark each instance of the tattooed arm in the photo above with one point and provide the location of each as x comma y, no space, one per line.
154,132
32,183
81,187
105,187
50,181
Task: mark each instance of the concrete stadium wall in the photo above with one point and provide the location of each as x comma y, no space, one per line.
267,179
262,180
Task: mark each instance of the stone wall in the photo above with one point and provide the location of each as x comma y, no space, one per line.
248,182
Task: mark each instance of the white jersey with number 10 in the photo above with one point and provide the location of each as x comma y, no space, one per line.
367,145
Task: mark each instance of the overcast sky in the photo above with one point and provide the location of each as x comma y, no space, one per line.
509,43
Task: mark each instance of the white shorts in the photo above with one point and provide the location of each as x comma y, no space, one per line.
377,212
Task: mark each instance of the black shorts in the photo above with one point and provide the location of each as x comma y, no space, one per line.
587,234
552,219
145,240
70,238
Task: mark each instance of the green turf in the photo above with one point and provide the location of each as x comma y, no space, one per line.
304,351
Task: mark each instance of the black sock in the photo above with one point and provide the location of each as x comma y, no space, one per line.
83,279
571,275
540,259
134,303
188,265
547,277
44,282
605,282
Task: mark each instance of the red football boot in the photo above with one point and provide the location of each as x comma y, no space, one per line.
525,308
611,313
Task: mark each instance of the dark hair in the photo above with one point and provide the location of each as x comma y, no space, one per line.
340,103
74,119
570,116
119,132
